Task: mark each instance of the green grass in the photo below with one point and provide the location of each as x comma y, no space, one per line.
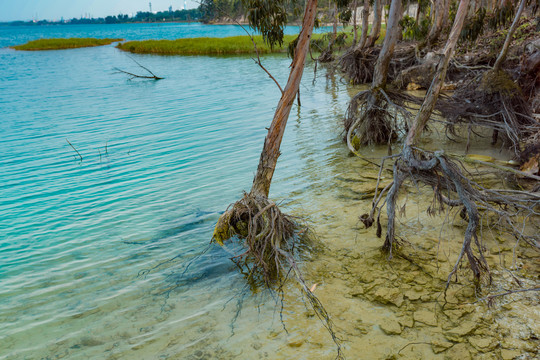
205,46
58,44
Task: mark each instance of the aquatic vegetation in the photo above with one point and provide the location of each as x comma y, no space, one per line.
64,43
207,46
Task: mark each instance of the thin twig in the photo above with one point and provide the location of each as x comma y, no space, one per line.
78,153
491,297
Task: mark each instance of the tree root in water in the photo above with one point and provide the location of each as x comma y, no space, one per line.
272,241
451,188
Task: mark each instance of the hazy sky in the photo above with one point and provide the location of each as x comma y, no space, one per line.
55,9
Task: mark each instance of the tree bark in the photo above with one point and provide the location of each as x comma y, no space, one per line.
355,33
440,74
438,15
365,26
272,142
376,27
393,31
506,46
446,13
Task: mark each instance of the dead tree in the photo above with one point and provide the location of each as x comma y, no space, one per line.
450,186
494,101
357,62
270,238
371,116
508,40
255,218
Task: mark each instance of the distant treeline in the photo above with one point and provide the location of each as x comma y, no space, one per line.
236,10
141,16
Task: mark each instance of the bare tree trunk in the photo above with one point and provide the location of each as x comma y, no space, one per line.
272,142
376,27
506,46
365,25
334,27
393,32
355,30
446,13
433,93
436,27
437,164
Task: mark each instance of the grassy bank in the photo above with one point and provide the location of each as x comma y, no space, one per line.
59,43
219,46
204,46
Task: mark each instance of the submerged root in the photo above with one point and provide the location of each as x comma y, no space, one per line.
451,188
492,101
375,116
272,241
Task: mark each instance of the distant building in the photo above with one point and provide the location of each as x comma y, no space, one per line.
170,9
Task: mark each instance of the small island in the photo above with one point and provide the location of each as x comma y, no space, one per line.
63,43
206,46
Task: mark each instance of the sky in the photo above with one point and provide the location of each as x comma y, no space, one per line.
11,10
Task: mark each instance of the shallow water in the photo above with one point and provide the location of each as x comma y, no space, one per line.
93,252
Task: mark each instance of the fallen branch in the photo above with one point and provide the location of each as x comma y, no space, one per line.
151,76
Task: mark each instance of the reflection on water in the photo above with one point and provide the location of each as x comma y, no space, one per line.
103,258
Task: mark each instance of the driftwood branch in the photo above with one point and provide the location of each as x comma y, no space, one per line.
151,76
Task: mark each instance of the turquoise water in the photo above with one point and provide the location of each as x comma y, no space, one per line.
15,35
160,161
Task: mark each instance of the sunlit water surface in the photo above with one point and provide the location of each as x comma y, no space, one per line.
153,164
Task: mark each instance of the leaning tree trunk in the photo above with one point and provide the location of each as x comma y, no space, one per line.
440,74
376,27
272,142
393,31
506,46
368,119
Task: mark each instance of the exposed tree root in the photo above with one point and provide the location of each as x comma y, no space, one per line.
269,236
375,116
451,188
272,241
357,64
492,101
